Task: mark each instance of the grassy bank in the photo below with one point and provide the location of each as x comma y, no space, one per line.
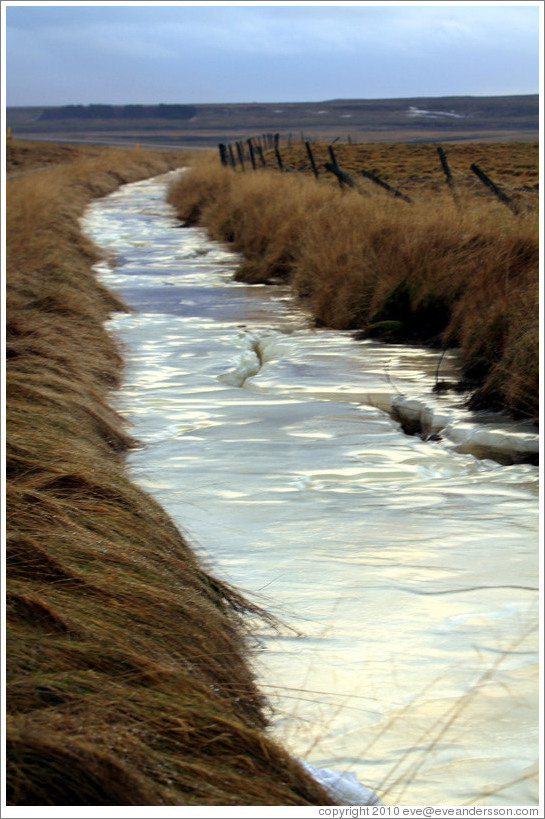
127,674
438,271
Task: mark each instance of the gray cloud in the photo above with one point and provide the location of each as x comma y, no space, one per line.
215,53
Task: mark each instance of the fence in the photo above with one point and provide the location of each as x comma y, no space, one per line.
252,149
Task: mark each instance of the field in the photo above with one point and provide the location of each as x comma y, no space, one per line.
444,270
415,169
127,679
448,119
23,156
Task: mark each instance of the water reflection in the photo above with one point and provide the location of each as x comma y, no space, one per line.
404,569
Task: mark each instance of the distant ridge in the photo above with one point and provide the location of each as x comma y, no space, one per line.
404,119
119,112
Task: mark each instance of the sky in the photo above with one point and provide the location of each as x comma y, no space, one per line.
149,53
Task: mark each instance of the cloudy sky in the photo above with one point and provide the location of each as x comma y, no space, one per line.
70,53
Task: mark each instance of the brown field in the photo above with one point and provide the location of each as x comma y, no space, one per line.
24,155
415,169
127,680
437,271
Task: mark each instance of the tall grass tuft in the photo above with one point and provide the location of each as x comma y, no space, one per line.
127,673
436,272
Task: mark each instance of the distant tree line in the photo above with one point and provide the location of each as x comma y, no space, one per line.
160,111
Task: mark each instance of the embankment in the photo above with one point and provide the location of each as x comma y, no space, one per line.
127,674
437,271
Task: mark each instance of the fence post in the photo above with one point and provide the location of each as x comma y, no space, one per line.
499,193
313,164
232,156
385,185
240,154
332,155
223,154
252,157
277,152
446,170
260,155
342,176
333,167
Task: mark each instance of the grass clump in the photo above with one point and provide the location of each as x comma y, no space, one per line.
127,675
439,271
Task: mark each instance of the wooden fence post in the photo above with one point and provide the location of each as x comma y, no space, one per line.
277,152
260,154
223,154
240,154
385,185
232,156
333,167
499,193
342,177
446,171
252,157
332,155
310,156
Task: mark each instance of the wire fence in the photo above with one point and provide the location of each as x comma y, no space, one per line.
264,151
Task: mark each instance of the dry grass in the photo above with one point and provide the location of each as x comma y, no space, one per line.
24,155
416,168
127,674
435,271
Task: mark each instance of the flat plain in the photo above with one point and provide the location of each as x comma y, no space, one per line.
490,119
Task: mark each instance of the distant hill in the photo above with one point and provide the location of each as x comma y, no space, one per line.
419,119
114,112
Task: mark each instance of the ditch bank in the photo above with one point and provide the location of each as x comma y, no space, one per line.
436,272
127,674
